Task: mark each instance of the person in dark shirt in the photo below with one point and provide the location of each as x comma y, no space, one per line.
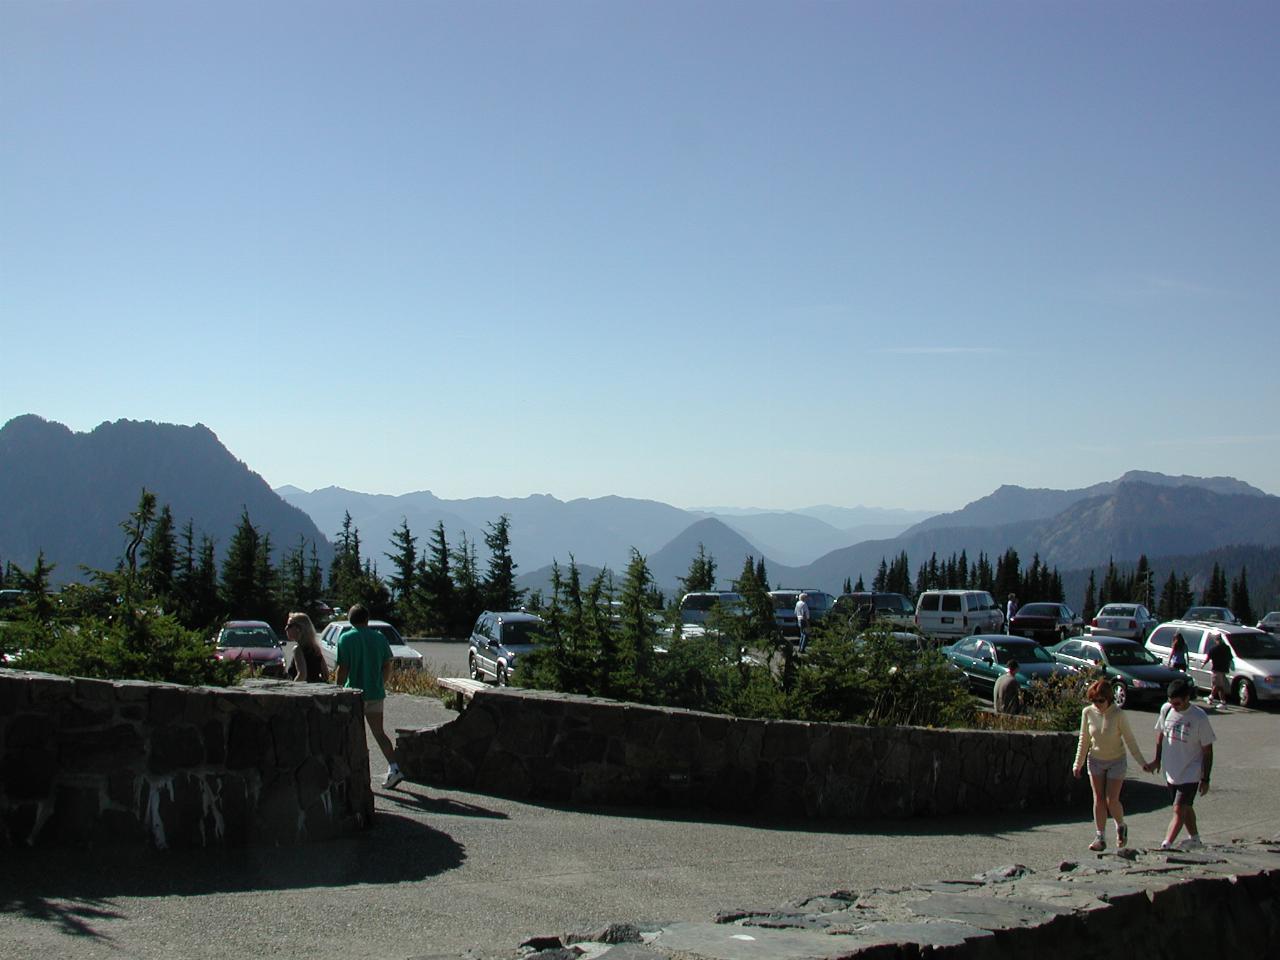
1008,692
1220,663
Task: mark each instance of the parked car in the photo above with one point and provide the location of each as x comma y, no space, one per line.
784,608
946,614
696,607
253,643
1046,622
1255,672
1137,675
499,642
864,608
403,656
1210,614
983,658
1270,623
1131,621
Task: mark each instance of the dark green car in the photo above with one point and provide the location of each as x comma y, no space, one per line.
1136,674
982,660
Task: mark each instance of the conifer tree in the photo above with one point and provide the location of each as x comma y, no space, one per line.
1089,608
159,559
702,573
634,676
403,581
466,583
244,592
879,583
499,585
1240,603
435,587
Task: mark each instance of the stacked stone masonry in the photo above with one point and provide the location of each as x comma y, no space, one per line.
566,749
269,762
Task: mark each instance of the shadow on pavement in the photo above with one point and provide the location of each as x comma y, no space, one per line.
421,803
72,887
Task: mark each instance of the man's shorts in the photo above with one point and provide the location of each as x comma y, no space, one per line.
1112,769
1220,682
1184,794
373,707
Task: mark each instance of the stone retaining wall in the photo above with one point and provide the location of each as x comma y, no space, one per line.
565,749
95,760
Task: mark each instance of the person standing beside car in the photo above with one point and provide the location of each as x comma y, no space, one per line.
1177,659
307,664
1007,696
802,619
1220,662
364,662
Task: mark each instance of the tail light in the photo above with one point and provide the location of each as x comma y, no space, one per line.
1133,624
1093,622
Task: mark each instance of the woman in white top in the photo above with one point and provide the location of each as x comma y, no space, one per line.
1104,734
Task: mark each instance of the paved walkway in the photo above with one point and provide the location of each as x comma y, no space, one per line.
445,873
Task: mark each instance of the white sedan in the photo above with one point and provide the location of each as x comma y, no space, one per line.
403,656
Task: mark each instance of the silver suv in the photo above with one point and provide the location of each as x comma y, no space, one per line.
499,643
1255,670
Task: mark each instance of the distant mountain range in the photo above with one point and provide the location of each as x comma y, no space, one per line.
66,493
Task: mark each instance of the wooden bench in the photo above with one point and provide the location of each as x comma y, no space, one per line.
463,688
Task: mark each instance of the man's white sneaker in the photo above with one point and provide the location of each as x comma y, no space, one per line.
392,778
1191,843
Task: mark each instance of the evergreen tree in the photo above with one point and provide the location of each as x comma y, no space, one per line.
899,576
136,528
435,587
345,571
880,582
1008,578
1240,604
1089,609
244,593
469,600
857,587
159,560
184,576
1144,583
499,585
37,602
847,587
983,578
702,573
633,677
404,581
1215,595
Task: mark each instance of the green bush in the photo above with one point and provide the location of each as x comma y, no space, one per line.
143,646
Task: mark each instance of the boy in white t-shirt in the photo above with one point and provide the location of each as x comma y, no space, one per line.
1184,745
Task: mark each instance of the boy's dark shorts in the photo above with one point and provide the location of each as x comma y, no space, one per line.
1184,794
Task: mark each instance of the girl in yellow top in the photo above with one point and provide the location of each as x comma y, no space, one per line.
1104,734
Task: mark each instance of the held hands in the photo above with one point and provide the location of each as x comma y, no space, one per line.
1151,767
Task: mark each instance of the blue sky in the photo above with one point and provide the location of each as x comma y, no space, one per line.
752,254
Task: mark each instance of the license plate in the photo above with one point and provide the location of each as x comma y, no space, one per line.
948,619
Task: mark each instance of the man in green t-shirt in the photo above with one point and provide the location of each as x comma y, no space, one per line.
364,662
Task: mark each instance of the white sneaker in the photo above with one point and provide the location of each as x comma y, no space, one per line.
392,778
1191,843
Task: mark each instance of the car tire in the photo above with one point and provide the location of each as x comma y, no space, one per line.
501,676
1245,695
1119,693
474,667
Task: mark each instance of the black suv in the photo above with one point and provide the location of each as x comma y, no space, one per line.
499,641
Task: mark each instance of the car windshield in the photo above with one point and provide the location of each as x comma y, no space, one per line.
247,637
1129,656
1256,646
519,632
784,601
1038,610
1210,613
1023,653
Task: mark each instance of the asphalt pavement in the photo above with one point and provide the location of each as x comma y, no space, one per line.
449,873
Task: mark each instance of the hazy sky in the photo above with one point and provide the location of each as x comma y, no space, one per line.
769,254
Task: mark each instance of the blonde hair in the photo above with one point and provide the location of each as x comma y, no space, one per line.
306,630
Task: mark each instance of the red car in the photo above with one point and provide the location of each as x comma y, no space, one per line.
253,643
1046,622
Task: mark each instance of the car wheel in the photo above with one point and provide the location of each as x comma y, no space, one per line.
502,675
1246,696
474,668
1119,693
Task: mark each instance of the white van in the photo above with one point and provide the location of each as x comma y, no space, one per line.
946,614
1255,670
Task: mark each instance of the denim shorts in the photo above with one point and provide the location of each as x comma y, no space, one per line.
1114,769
